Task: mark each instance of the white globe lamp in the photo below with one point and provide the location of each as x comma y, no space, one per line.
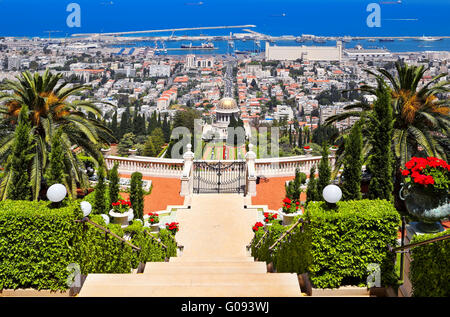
56,193
106,219
332,194
86,208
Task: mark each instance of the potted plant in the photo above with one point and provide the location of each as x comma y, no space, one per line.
120,212
173,227
290,210
425,191
333,149
307,149
256,227
269,218
153,221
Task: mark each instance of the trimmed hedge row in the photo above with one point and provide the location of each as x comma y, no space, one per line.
430,267
291,255
346,240
337,245
37,243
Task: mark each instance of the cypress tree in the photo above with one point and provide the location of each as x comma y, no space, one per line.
381,159
114,127
324,171
311,189
114,184
55,171
149,148
20,158
351,189
100,200
137,195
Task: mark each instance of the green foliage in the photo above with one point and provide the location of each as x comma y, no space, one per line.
346,240
149,148
113,184
324,171
36,244
351,188
381,159
430,267
16,183
336,246
262,252
293,189
100,205
137,195
311,190
126,143
55,170
100,253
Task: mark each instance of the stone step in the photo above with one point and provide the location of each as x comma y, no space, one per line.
205,267
185,259
192,291
237,285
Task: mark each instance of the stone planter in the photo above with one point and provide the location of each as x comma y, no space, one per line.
154,228
119,218
132,152
308,151
288,219
426,206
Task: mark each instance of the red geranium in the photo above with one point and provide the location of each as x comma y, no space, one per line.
153,218
428,171
269,217
257,226
306,147
173,227
121,206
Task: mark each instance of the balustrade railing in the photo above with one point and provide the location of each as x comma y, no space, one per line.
147,166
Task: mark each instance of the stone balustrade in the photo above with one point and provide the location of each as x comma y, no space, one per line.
175,168
286,166
147,166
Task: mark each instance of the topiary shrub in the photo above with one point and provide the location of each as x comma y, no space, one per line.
345,240
430,267
36,244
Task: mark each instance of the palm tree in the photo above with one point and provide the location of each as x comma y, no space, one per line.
51,108
421,122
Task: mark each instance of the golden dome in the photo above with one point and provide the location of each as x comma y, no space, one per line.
227,104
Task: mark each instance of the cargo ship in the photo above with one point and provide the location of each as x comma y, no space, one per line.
203,46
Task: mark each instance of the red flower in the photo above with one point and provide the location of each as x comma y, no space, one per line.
405,172
287,200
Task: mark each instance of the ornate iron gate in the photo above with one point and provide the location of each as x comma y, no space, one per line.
220,177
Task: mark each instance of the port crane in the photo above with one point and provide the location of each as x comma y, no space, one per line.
50,33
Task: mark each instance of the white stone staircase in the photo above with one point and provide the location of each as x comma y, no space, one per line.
215,262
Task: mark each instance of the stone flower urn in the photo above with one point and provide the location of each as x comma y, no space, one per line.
288,218
121,218
429,207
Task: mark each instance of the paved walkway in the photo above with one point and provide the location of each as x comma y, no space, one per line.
215,226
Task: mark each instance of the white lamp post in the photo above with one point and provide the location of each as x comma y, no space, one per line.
86,208
332,194
56,193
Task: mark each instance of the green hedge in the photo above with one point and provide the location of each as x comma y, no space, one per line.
430,267
346,240
336,247
37,243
